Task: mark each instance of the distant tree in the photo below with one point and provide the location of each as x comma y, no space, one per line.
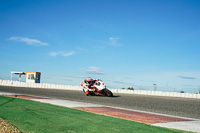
130,88
182,92
123,88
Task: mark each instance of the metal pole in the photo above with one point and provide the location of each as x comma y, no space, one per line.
19,77
199,90
11,76
154,87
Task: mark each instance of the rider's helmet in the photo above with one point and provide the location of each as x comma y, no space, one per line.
89,79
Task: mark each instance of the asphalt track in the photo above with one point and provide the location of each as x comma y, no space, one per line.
184,107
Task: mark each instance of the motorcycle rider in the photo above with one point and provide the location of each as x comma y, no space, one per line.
89,82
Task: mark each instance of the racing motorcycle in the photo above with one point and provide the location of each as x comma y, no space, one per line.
99,88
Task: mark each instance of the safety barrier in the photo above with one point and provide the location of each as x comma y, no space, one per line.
39,85
70,87
156,93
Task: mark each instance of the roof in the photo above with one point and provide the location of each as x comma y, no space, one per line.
22,73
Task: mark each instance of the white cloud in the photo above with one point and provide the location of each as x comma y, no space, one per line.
81,49
28,41
113,41
67,54
93,70
53,54
62,53
119,82
183,77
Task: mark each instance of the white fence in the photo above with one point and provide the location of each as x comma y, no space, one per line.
39,85
70,87
157,93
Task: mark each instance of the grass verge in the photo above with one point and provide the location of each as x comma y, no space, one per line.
32,116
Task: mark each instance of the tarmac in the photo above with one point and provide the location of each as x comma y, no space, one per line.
156,119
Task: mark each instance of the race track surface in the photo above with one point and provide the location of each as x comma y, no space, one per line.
184,107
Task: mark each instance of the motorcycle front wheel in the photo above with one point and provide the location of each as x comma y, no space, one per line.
108,93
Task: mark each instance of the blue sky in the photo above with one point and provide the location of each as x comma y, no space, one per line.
126,43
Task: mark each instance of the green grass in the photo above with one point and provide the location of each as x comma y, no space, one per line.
31,116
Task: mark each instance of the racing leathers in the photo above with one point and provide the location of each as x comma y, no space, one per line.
88,85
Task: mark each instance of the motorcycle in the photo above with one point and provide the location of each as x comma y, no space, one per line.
99,88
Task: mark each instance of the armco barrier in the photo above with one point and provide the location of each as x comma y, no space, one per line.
70,87
157,93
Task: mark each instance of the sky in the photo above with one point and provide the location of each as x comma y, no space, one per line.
126,43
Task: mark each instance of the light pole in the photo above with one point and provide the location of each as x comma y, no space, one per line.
154,87
199,90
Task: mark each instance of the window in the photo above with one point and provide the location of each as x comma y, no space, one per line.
30,76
